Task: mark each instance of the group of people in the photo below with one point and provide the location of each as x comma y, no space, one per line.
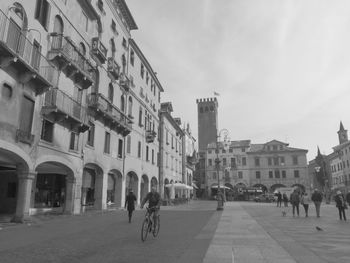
305,200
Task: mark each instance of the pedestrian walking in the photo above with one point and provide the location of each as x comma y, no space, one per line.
317,199
279,199
295,201
130,203
341,205
305,200
285,199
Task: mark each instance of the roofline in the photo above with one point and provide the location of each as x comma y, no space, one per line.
126,14
147,64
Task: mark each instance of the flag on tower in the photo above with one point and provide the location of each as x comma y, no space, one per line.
216,94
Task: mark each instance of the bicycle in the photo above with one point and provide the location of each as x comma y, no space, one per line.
147,224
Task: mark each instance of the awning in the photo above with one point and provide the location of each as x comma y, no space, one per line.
178,186
221,186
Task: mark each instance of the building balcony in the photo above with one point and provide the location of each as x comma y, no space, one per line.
66,55
124,82
24,136
150,136
17,52
109,114
61,108
99,50
113,68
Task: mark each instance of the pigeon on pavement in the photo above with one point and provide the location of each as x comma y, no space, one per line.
318,228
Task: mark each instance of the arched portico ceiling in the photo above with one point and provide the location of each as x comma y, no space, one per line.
98,170
116,173
240,185
145,178
132,174
154,180
166,181
13,156
53,167
263,187
275,186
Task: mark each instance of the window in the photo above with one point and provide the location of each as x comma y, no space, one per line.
139,150
110,92
240,174
122,103
270,174
223,151
233,162
295,160
120,148
209,151
124,43
172,141
147,79
91,135
283,174
113,26
210,162
6,92
107,142
140,117
100,5
42,13
142,70
47,131
277,174
243,150
275,160
74,139
35,62
130,107
224,161
214,175
27,111
296,173
269,161
244,161
167,160
257,161
128,144
257,174
152,156
167,137
274,147
230,150
282,160
132,57
147,149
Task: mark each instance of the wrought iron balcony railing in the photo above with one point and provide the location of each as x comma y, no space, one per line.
112,116
99,50
18,52
65,53
64,109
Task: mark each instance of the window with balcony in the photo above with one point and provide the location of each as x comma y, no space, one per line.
47,131
42,12
120,148
107,143
91,135
74,141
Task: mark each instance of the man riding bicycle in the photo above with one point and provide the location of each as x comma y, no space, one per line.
153,199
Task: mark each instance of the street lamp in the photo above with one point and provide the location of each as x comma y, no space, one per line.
226,139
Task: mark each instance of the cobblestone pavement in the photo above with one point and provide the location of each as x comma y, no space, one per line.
299,236
185,234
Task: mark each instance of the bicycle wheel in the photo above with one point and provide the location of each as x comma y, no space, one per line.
144,230
156,229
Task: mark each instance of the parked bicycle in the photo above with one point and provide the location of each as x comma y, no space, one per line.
147,225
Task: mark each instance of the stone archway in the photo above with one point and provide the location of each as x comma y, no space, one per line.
132,182
92,192
144,186
115,188
275,186
53,188
263,187
16,180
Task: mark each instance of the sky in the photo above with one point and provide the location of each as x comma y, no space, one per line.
281,67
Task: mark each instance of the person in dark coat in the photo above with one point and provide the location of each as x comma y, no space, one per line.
317,199
279,199
341,205
130,203
295,201
285,199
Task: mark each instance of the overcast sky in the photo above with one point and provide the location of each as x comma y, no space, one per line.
281,67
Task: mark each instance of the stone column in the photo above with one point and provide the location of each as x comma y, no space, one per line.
101,191
25,182
70,195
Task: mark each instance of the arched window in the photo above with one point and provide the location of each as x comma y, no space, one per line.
110,92
58,25
122,103
206,109
130,106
